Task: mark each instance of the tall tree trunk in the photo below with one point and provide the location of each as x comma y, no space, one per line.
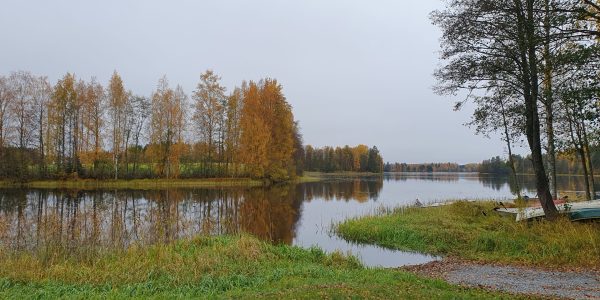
549,101
2,162
126,147
527,48
22,165
62,140
577,143
509,145
582,156
137,149
590,165
75,144
116,148
96,137
41,142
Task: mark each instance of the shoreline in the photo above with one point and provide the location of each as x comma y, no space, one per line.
473,231
132,184
484,250
147,184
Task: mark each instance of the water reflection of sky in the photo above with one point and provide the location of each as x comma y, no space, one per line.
403,189
397,190
295,214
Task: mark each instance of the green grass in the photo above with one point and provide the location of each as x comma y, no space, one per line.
221,267
148,184
308,177
462,230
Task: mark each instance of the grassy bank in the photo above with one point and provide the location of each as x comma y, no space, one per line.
228,267
135,184
462,230
166,183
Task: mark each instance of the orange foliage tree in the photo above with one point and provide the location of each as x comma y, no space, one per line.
167,124
267,132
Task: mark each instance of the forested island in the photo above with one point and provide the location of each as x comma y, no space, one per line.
81,129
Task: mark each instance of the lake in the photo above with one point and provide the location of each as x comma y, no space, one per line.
299,214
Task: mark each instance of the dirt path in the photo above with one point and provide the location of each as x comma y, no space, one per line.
515,279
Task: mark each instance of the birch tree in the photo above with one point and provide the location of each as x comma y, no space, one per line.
167,125
117,105
209,108
41,93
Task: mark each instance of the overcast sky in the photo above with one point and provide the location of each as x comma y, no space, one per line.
354,71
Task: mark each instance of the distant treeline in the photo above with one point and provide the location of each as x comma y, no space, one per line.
566,163
343,159
430,167
81,129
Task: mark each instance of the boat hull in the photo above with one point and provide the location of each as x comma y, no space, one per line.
576,211
585,214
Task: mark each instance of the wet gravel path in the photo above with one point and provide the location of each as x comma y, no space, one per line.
513,279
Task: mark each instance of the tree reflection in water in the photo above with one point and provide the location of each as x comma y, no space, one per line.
77,220
570,185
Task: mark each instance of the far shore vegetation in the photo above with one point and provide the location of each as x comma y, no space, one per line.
79,129
471,230
566,164
80,183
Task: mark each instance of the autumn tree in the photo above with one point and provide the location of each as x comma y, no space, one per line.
140,110
209,111
5,99
280,120
75,127
41,93
117,106
22,109
93,119
255,136
130,120
298,150
267,126
166,126
61,118
233,128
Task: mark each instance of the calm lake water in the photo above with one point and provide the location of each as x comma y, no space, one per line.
299,214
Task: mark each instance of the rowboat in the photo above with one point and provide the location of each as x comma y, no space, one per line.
576,211
585,214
